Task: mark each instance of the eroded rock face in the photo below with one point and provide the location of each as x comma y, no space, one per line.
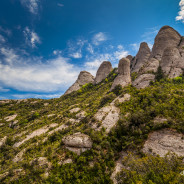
83,78
141,57
166,37
151,66
172,62
103,71
130,57
77,142
143,81
123,77
163,141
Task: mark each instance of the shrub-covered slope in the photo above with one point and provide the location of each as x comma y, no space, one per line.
32,131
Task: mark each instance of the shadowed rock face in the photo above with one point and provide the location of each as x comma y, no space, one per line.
123,77
103,71
141,57
172,62
167,37
83,78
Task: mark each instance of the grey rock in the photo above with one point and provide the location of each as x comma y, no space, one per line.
166,37
143,81
123,77
172,62
130,57
151,66
83,78
163,141
78,140
103,71
141,57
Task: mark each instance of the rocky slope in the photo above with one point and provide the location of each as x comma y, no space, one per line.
103,129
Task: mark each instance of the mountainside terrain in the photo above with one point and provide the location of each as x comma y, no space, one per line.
126,125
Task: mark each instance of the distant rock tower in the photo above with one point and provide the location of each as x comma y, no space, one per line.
103,71
141,57
83,78
123,77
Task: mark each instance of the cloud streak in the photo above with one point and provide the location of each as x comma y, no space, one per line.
31,37
180,16
32,5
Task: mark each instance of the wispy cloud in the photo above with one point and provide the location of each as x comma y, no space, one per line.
99,38
75,48
32,5
31,37
7,31
33,95
35,74
2,39
61,5
180,16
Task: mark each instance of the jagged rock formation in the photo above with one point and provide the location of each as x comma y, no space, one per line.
166,37
141,57
163,141
77,142
172,62
143,81
123,77
103,71
83,78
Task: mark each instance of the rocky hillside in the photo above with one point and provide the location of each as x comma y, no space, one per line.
126,125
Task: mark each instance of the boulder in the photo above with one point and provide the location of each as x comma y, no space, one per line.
83,78
141,57
172,62
143,80
166,37
123,77
77,142
103,71
163,141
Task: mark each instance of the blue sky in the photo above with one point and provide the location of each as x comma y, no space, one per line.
44,44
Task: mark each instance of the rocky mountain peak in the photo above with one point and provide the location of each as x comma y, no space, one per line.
83,78
123,77
103,71
166,37
141,57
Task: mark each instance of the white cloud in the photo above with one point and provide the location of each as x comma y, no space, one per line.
180,16
36,75
2,39
57,52
32,95
31,37
7,31
61,5
76,55
75,48
99,38
3,89
90,48
32,5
